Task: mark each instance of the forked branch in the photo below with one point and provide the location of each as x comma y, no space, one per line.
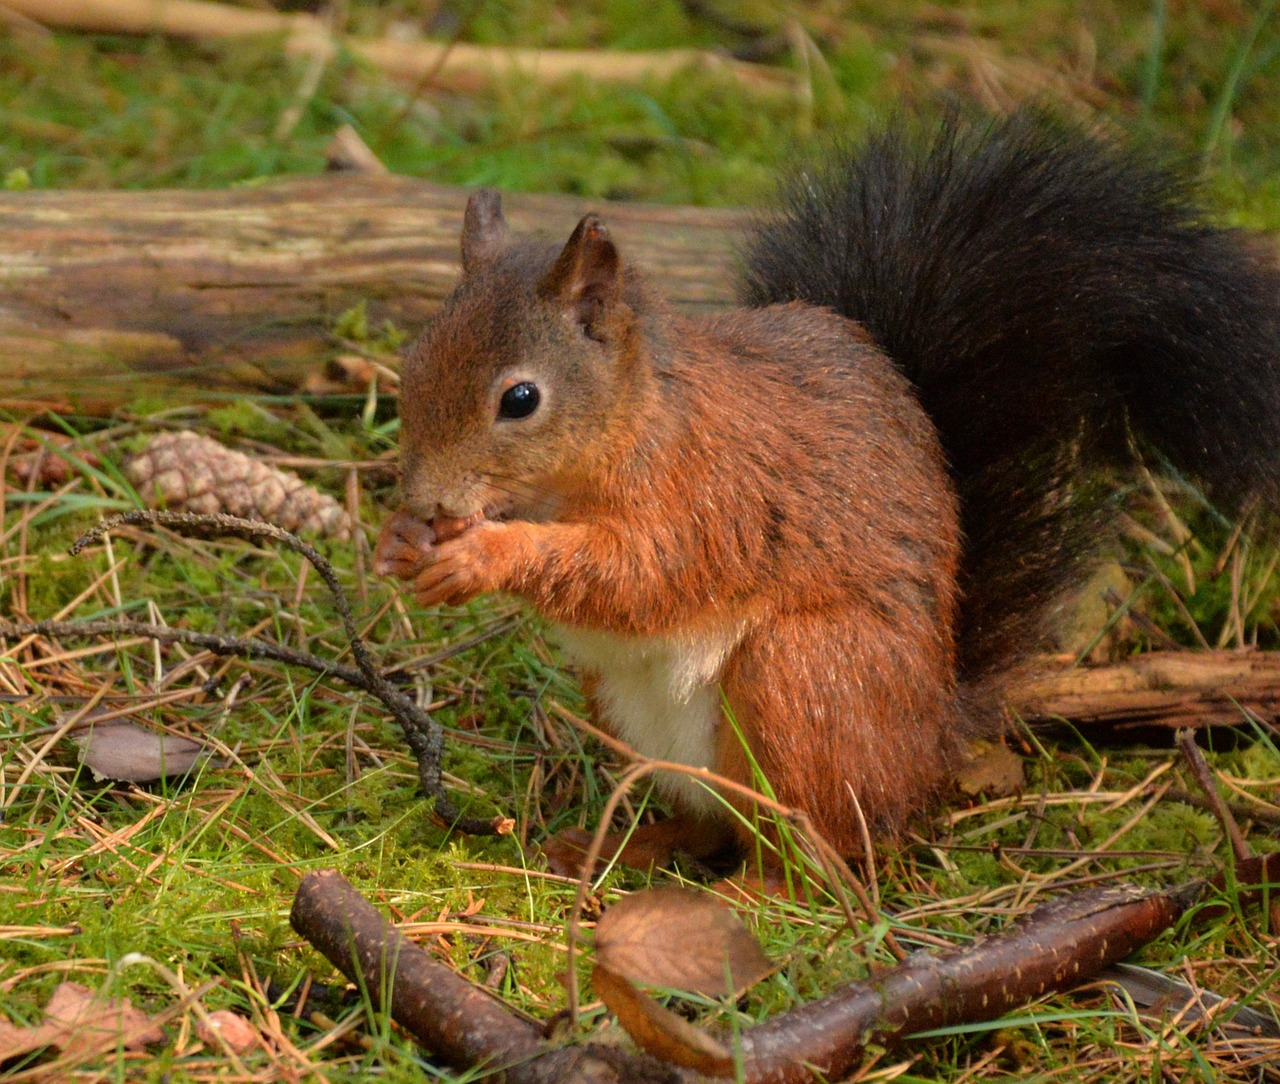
424,735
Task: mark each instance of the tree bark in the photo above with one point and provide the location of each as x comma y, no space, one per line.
1161,688
461,1024
106,295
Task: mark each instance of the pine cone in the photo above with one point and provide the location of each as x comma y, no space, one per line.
188,472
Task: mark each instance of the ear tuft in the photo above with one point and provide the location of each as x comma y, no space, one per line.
484,230
586,277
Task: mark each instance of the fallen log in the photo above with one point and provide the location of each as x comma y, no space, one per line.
456,66
105,295
1169,689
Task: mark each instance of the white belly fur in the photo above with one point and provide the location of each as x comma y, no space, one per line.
661,695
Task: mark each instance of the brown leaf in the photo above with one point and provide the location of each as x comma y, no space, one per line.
990,768
346,150
347,374
678,938
123,750
93,1021
79,1021
659,1031
16,1040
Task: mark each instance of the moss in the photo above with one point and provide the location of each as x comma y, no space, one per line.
199,875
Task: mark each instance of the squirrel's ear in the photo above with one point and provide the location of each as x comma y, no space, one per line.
484,230
586,276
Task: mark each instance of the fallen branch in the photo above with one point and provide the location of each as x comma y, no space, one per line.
447,65
1058,946
1162,688
1203,775
459,1022
423,735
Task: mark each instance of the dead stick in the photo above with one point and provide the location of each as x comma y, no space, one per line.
1204,778
1060,945
1163,688
424,736
459,1022
1203,775
248,647
1239,810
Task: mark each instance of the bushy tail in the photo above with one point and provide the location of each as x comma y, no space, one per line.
1041,288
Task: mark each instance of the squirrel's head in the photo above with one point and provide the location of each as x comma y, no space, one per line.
507,395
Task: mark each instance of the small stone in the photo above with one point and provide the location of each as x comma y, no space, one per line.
233,1029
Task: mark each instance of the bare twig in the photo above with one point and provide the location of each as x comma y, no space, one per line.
1058,946
1238,809
1160,688
455,66
1203,776
460,1022
424,735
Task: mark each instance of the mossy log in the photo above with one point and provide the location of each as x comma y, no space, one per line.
105,296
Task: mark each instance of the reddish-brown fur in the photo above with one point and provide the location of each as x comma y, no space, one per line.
767,470
756,505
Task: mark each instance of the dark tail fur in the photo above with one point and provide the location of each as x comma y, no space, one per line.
1042,289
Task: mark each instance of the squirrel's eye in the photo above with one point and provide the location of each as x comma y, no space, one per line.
519,400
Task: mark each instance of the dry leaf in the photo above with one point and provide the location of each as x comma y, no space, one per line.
222,1026
657,1030
350,374
991,768
16,1040
347,151
122,750
675,938
80,1022
678,938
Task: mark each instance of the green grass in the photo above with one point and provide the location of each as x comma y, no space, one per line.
198,876
123,112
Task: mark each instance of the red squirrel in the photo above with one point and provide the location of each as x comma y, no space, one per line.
812,537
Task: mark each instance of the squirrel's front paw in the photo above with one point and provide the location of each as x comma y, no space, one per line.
479,560
404,544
